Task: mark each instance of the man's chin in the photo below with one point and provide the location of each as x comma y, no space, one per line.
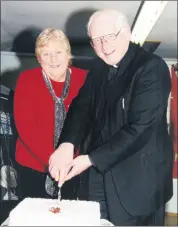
110,61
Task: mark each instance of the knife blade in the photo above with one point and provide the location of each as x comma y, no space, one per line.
59,194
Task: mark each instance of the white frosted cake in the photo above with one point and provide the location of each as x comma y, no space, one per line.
46,212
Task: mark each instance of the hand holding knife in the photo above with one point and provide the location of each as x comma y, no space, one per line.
60,186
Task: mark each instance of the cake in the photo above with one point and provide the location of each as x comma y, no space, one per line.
49,212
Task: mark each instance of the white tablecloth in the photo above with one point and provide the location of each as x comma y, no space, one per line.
5,223
103,223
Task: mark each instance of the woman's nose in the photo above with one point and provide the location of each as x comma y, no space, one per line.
53,58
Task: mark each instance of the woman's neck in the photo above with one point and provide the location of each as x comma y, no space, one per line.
57,77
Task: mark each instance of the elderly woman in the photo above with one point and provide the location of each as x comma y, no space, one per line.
42,98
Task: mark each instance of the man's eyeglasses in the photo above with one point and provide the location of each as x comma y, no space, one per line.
110,38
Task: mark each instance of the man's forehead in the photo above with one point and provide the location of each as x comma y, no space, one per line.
99,28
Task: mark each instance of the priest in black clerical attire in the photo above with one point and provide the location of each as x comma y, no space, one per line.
119,121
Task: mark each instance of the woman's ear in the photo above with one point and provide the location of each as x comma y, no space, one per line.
70,61
38,58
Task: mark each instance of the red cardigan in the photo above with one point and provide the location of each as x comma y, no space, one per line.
34,114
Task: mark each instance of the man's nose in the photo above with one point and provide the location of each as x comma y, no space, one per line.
103,40
105,44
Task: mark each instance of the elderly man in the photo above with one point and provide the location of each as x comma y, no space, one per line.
119,121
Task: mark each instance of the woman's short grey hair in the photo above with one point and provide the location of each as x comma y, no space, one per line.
120,20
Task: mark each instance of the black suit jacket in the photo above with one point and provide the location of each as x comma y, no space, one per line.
136,149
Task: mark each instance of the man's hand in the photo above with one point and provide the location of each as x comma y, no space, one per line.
59,161
78,165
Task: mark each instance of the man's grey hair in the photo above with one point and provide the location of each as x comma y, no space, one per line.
120,19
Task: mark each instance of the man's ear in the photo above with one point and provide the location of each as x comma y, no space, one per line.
127,32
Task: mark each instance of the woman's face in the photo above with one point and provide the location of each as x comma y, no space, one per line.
54,58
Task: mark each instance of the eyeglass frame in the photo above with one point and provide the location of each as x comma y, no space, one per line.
101,38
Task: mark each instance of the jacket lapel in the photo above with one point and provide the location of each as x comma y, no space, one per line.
122,78
100,89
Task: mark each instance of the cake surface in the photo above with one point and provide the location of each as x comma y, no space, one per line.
43,212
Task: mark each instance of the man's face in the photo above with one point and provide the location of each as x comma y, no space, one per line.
109,43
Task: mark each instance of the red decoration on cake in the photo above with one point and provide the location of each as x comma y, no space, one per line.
55,210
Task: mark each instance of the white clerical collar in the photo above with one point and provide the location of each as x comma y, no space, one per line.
115,66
